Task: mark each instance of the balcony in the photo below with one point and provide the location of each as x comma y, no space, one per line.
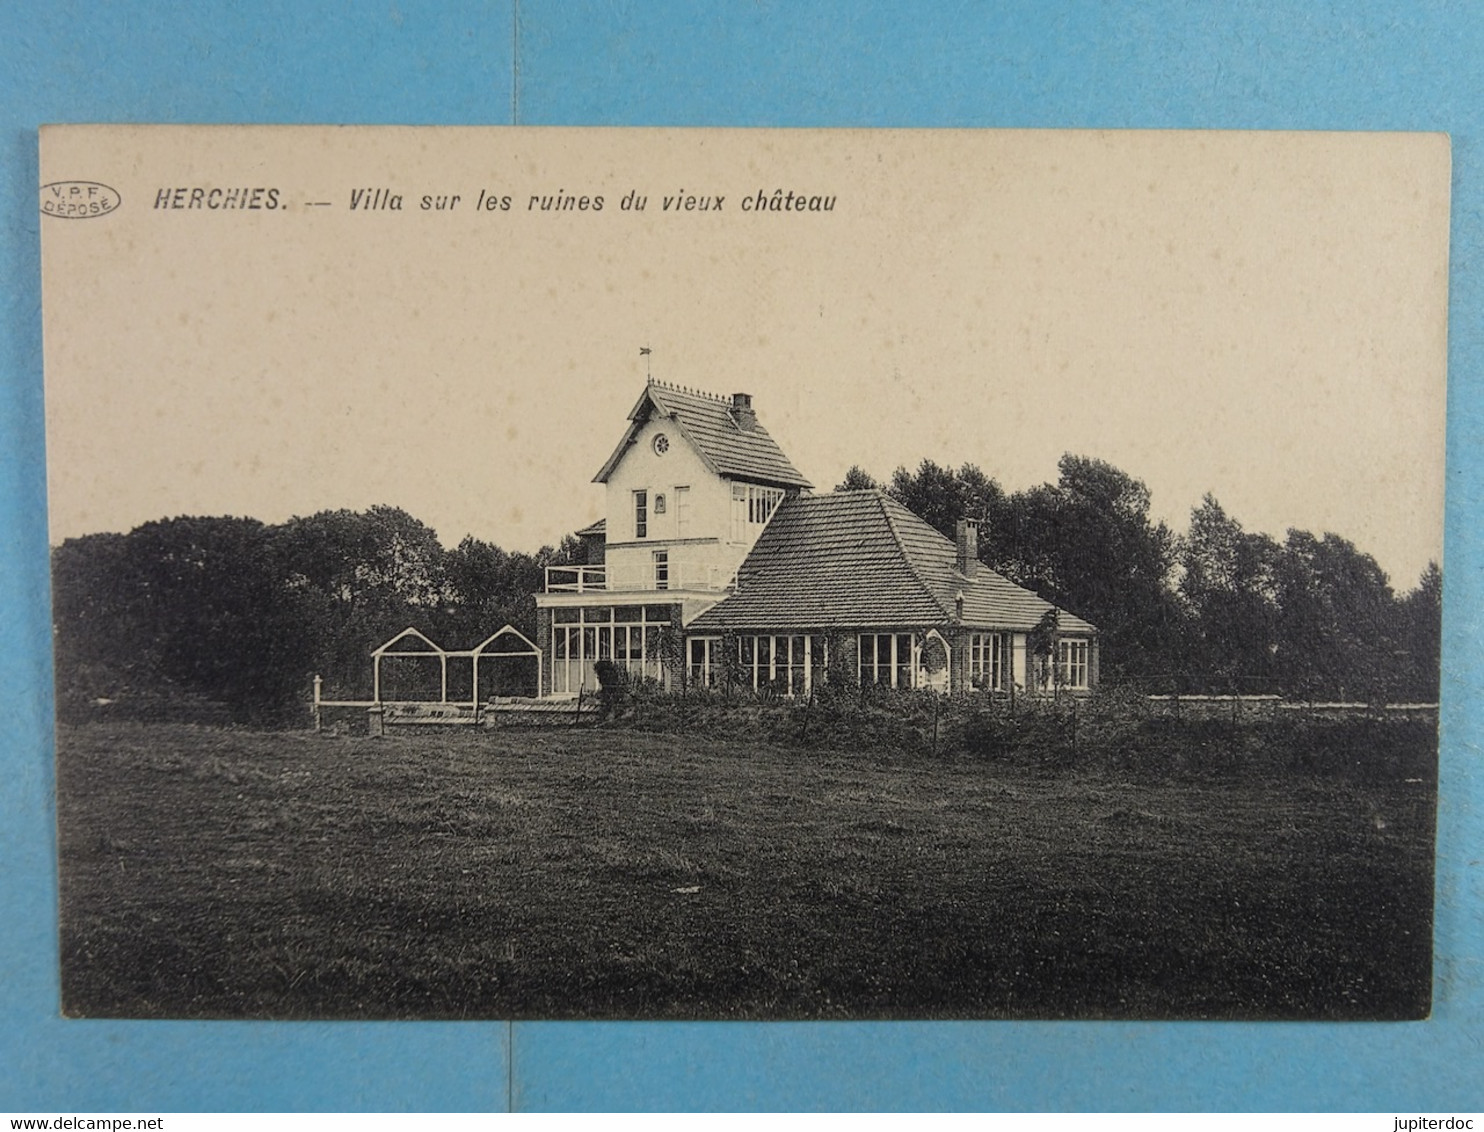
680,575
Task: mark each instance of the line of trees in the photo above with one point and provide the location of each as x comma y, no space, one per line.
239,615
1217,609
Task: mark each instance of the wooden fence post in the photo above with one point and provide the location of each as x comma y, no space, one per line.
808,711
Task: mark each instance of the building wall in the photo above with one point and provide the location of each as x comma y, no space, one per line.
958,657
543,642
702,555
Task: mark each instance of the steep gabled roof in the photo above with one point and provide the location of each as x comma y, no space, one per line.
860,559
726,445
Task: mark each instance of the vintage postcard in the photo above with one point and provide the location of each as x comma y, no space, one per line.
745,574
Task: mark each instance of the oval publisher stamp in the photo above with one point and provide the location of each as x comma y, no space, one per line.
79,200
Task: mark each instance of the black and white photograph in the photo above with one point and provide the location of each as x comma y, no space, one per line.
745,574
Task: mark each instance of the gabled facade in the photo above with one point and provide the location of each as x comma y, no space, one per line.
691,485
717,562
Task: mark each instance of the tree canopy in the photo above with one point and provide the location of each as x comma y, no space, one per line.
242,615
1215,609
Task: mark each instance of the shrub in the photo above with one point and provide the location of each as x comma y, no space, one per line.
1109,732
613,686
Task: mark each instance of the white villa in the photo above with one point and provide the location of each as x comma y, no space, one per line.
711,533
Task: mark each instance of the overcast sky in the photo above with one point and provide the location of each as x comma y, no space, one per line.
1260,316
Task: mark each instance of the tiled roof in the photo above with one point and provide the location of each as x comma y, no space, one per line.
726,445
860,559
593,530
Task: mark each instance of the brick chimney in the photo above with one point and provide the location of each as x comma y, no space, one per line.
742,411
967,538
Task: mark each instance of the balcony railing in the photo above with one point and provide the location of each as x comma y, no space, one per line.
576,579
679,575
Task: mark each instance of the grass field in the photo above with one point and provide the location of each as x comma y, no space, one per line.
606,873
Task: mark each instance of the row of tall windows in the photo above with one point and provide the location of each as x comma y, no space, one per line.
752,506
626,634
794,663
789,663
888,658
781,662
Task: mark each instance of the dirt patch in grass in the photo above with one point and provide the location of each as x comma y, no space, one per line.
608,873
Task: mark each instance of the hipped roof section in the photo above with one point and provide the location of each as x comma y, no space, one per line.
593,529
706,420
859,559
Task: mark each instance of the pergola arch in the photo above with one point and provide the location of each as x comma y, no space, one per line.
388,649
490,647
485,647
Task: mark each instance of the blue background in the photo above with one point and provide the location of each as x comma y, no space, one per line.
1285,64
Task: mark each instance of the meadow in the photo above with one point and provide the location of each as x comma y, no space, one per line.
611,872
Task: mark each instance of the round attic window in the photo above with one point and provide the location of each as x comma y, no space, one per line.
661,444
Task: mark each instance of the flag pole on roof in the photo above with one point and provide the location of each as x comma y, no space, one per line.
644,353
